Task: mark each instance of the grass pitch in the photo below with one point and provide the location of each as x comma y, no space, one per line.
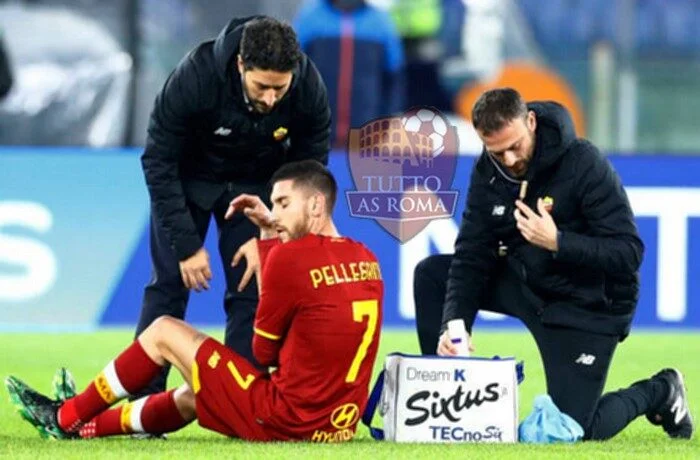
35,357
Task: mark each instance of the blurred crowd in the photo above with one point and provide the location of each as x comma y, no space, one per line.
628,70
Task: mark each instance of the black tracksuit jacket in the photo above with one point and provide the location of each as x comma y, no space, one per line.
202,137
592,282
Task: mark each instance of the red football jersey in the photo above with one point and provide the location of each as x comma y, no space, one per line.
319,319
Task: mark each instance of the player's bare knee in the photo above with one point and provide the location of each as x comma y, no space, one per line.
185,402
154,338
154,330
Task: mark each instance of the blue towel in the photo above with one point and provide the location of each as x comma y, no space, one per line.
547,424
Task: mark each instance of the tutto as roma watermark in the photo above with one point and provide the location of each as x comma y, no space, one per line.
403,169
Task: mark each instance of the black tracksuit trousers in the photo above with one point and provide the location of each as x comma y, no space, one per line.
575,362
166,294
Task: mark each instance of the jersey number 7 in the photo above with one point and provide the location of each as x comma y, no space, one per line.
360,309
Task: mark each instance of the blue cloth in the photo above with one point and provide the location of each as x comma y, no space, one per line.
547,424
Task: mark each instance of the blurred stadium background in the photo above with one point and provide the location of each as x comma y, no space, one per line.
74,206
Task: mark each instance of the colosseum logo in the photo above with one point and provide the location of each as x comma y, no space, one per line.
403,169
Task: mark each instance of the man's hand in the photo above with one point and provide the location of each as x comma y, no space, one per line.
195,271
538,229
447,348
254,208
249,250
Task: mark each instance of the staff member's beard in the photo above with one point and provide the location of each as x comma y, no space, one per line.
257,105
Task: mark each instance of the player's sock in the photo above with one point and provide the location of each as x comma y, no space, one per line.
160,414
132,370
108,423
153,414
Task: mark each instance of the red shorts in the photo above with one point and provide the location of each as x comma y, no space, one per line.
231,394
236,399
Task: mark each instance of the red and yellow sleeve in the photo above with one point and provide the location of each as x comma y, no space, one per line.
275,308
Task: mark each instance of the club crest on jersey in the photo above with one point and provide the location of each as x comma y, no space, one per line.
280,133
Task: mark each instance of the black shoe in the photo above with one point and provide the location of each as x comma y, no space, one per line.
673,413
36,408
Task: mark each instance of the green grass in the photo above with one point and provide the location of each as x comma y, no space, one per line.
34,358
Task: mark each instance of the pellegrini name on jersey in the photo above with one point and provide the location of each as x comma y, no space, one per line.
345,273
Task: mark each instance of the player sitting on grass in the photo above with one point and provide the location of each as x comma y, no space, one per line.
317,320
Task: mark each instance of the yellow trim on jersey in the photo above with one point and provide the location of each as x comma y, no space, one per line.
267,335
195,378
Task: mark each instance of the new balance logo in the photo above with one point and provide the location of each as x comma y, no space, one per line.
498,210
679,410
221,131
585,359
